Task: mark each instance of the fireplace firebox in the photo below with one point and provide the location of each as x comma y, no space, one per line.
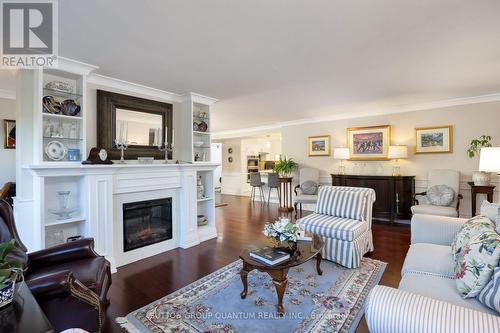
146,223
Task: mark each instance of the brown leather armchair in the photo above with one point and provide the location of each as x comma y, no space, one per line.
69,281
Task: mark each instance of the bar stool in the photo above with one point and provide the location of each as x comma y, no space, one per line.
256,181
273,183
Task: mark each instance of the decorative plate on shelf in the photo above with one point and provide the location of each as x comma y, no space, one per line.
202,126
70,108
198,143
60,86
55,150
51,105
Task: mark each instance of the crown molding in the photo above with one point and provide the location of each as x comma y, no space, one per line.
360,114
130,87
199,98
75,66
7,94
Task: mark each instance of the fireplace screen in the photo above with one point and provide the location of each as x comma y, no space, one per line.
146,223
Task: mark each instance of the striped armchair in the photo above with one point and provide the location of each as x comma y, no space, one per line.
343,219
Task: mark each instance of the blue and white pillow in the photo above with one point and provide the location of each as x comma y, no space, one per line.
490,295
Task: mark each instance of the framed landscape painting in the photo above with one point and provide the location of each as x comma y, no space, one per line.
9,134
369,143
318,145
432,140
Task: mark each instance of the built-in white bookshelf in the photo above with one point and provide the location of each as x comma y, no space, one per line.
196,144
61,109
53,130
205,203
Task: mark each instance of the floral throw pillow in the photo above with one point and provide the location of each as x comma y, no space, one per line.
476,251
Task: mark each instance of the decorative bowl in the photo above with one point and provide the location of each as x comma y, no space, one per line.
70,108
59,86
198,143
51,105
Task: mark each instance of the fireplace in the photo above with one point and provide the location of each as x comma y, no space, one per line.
146,222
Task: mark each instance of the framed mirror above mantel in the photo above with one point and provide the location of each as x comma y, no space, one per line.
143,123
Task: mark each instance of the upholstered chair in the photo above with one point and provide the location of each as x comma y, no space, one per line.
256,183
307,176
451,178
343,220
273,182
69,281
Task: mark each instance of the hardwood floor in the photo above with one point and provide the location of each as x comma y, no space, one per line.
239,224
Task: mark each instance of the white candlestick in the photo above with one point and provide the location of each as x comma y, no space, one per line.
166,136
173,136
155,139
126,131
120,136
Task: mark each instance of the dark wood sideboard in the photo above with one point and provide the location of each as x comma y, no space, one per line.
394,193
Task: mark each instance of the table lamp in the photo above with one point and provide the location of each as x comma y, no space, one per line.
489,160
341,154
395,153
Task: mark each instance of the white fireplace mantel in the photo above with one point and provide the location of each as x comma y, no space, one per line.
100,191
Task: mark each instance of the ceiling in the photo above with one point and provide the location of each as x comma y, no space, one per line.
281,60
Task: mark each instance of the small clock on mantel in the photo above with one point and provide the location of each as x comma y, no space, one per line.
98,156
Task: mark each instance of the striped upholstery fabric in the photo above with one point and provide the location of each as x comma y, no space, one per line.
390,310
348,204
334,227
346,239
490,294
346,253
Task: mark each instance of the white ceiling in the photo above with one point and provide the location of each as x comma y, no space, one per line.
269,61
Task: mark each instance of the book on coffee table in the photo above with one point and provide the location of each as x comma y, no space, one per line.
270,256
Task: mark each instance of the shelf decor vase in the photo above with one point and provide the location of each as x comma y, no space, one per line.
200,189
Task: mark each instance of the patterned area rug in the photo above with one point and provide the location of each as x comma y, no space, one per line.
332,302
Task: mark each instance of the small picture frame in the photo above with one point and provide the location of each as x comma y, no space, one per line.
74,154
434,140
9,134
318,145
369,143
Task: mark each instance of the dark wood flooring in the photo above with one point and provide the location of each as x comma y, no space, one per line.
239,224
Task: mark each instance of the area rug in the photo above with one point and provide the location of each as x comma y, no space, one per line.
332,302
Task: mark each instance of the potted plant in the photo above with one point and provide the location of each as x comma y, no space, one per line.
480,178
9,271
285,167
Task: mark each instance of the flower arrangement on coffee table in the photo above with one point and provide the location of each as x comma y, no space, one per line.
283,233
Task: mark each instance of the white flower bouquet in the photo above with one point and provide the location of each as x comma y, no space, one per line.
282,231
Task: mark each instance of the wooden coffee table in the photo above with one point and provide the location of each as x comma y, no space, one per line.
306,251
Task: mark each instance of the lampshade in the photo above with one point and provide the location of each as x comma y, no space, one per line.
396,152
489,159
341,153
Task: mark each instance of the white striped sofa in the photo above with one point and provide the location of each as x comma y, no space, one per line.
427,299
343,219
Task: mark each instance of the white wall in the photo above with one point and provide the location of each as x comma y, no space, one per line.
7,156
469,121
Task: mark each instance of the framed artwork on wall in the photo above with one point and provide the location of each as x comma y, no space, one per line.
434,140
9,134
369,143
318,145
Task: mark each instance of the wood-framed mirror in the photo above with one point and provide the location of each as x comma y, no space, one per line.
140,121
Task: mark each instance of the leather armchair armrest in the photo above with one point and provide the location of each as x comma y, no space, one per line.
64,284
80,249
51,285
